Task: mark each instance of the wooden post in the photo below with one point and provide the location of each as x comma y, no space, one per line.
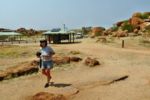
73,37
19,39
2,42
70,37
12,41
122,43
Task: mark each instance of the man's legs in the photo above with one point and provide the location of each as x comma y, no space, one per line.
44,72
48,75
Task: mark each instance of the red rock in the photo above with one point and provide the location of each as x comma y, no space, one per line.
91,62
96,31
75,59
3,75
19,70
60,59
47,96
135,21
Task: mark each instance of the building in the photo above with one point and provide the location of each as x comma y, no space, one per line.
58,37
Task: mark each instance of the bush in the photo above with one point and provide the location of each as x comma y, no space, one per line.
86,30
144,16
3,38
128,27
114,28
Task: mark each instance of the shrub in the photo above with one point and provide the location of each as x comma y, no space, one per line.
114,28
144,16
128,27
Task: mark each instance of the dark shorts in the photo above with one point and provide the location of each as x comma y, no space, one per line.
47,64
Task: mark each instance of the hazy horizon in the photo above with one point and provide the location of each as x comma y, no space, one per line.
47,14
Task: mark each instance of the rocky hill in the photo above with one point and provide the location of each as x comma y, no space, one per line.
138,24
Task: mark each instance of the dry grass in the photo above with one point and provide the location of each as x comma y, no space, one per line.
11,55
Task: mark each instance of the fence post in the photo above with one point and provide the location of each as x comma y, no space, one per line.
122,43
12,42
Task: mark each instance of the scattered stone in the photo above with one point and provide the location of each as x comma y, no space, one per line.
75,59
91,62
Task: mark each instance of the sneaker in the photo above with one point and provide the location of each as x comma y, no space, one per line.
46,85
51,83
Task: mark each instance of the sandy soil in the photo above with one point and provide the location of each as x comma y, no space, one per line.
80,82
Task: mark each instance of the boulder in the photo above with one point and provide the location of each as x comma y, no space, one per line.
75,59
91,62
145,25
119,23
135,30
136,21
137,14
19,70
23,69
3,75
47,96
97,31
120,33
57,59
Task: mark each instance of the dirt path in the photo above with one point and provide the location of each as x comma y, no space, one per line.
92,83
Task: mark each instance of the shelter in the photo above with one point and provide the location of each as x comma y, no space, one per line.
57,37
9,36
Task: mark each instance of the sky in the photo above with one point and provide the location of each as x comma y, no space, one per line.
48,14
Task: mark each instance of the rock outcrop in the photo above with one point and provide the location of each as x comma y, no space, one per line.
97,31
65,59
47,96
137,24
19,70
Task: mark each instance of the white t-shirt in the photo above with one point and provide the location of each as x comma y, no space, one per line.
46,53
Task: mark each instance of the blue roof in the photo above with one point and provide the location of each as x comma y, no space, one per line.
9,33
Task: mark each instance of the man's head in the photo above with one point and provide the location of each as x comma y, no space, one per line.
43,43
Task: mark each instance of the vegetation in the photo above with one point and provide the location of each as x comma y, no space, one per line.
144,16
3,38
12,51
114,28
128,27
86,30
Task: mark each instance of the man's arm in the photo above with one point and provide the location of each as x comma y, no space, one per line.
38,54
